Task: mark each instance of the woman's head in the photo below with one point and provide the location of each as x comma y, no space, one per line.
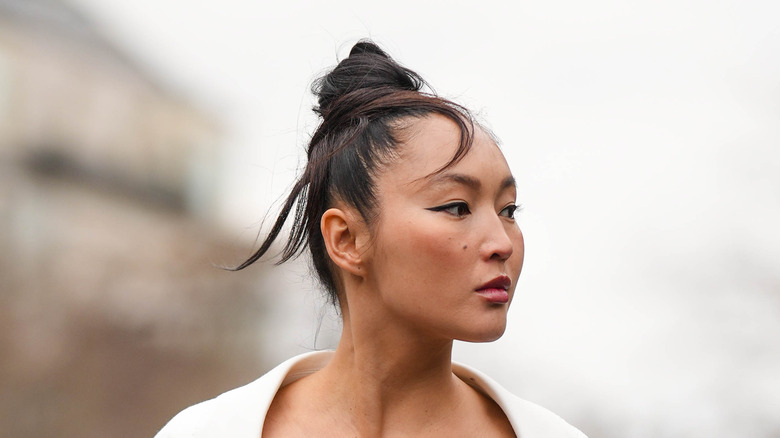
444,252
372,111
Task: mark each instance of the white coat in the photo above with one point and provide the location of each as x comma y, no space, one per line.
240,413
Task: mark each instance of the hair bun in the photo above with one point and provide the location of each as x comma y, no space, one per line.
366,46
367,68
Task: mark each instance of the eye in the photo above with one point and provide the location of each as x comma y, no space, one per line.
509,211
457,209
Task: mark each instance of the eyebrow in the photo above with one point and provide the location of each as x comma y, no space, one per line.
470,181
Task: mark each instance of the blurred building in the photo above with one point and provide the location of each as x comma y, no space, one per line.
112,312
73,101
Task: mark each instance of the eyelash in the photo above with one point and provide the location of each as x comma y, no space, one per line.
511,209
453,205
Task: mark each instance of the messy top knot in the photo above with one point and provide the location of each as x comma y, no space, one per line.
361,103
367,67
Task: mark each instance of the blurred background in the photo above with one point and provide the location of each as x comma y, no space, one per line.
142,143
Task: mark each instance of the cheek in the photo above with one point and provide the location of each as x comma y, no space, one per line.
442,249
429,253
518,254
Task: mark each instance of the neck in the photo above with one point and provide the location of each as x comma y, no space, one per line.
384,371
394,357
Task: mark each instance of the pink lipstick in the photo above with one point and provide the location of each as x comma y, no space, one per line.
496,290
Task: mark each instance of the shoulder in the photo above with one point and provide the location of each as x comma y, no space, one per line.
239,412
528,419
230,414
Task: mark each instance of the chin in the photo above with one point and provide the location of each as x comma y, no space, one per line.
488,334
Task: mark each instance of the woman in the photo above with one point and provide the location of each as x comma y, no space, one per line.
407,207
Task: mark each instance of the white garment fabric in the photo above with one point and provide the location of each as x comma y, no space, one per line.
240,413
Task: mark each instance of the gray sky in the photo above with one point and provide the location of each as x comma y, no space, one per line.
644,137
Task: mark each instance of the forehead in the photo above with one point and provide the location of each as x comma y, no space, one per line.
428,144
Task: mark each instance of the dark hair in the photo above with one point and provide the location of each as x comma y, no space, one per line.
361,102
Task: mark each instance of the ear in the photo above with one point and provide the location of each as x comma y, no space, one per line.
342,231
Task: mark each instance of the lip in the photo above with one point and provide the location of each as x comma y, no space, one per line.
496,290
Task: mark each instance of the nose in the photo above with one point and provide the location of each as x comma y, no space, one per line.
497,245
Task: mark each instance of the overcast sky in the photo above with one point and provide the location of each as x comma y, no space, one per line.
644,137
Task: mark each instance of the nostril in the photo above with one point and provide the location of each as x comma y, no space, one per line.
503,255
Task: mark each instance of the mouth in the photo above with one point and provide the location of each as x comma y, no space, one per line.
496,291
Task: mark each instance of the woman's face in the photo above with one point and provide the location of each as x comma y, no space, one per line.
447,251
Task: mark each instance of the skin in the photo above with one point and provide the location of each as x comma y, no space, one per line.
408,286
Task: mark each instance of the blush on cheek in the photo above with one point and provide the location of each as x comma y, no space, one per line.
440,245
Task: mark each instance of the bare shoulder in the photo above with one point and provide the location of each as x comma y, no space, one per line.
296,412
278,419
529,419
497,419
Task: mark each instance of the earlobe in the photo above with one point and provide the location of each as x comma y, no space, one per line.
339,230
